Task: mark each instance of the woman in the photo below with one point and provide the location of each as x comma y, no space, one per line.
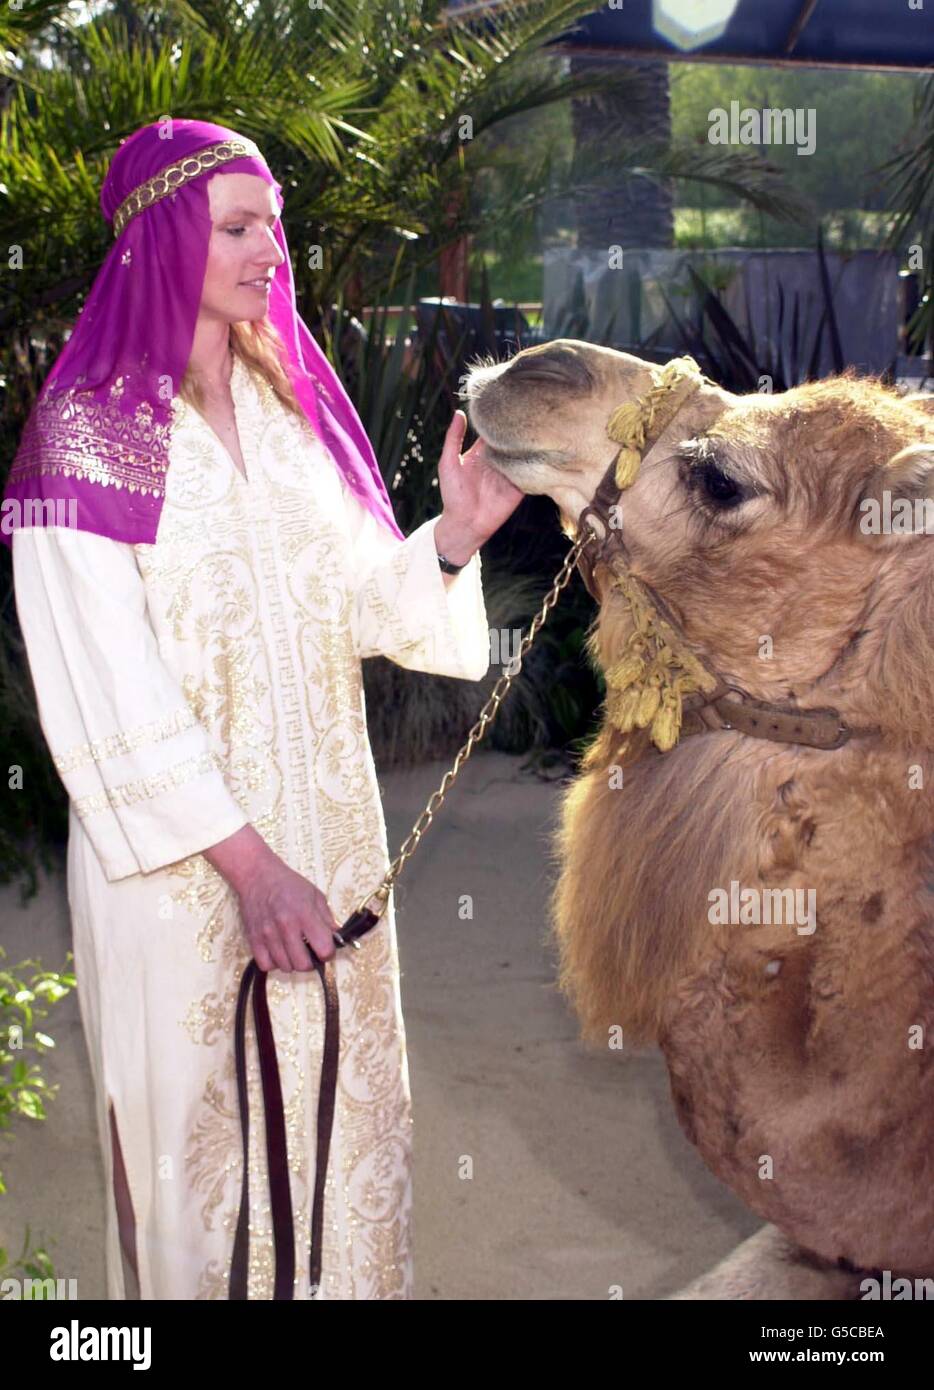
203,552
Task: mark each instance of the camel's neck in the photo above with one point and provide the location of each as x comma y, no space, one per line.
655,844
753,807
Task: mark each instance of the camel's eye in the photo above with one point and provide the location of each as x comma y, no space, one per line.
712,487
717,487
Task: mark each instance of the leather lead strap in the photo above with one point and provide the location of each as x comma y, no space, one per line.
326,1099
238,1273
276,1147
283,1230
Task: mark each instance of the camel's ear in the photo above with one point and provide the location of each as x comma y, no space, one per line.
898,500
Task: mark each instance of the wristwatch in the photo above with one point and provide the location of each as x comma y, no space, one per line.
449,566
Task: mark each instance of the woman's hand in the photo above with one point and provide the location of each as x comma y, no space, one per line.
476,499
280,909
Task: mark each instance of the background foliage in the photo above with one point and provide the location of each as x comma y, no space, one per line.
359,109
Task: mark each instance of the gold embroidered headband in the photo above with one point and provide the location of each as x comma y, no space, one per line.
173,176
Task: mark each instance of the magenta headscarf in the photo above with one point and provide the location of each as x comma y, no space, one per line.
99,432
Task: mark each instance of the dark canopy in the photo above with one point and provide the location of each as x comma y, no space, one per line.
825,33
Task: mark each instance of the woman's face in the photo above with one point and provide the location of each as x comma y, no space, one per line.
242,249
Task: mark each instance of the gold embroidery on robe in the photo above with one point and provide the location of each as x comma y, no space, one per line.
146,787
125,742
212,601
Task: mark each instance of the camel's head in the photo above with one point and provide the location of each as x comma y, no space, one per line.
752,516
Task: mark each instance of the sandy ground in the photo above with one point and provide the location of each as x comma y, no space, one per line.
581,1179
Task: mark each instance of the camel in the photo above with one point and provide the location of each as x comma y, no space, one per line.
799,1057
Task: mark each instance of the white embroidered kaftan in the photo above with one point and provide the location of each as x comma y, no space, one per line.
186,688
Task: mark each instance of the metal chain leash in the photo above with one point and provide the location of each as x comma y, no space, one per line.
479,729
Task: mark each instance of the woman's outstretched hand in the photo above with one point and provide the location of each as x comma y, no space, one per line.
477,500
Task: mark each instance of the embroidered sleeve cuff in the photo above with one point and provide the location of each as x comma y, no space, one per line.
409,614
162,785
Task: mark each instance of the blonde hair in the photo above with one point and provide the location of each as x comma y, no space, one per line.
258,344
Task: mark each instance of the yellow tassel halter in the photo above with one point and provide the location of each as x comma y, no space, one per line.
646,685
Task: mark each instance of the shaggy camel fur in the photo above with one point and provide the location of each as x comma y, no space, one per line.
800,1060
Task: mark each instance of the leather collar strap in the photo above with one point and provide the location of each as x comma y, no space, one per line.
814,728
276,1149
716,711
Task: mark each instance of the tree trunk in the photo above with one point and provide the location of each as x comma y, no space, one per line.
638,211
454,259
